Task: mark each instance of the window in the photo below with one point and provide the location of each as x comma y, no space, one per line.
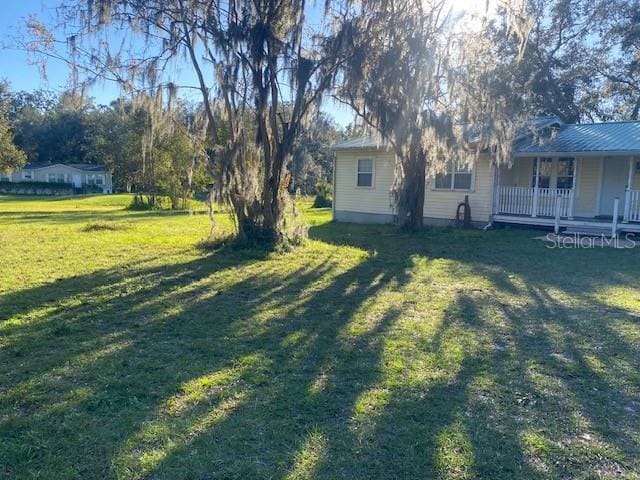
365,172
546,168
566,172
55,178
94,179
458,178
5,177
638,167
27,175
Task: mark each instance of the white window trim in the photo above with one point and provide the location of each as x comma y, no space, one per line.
95,176
471,189
64,177
373,173
555,165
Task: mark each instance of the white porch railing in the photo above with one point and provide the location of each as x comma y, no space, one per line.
534,202
632,206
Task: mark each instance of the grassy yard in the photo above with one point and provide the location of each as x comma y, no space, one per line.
127,352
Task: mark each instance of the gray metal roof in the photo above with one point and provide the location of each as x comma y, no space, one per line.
589,138
610,137
87,167
359,143
472,135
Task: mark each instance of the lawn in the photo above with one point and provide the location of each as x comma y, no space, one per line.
127,352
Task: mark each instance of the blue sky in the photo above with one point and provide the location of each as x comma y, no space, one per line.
15,67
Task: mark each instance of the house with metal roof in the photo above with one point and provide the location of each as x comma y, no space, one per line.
79,177
575,178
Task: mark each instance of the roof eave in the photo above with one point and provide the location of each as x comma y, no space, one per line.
591,153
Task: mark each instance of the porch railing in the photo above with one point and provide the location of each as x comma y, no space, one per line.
632,206
534,202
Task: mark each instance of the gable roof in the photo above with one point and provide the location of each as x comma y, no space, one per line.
609,137
86,167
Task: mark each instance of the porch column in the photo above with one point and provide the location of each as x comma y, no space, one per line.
627,195
496,190
572,193
534,209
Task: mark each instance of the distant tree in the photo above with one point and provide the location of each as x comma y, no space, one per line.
549,66
616,59
11,157
312,157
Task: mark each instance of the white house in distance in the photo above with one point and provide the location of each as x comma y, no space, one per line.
574,176
77,175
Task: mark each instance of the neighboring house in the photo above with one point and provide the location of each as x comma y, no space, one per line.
578,173
86,176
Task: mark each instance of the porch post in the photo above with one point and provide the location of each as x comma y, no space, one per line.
556,223
627,195
534,209
614,224
496,191
572,193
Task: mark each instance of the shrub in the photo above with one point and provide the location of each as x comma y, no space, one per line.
102,226
36,188
323,194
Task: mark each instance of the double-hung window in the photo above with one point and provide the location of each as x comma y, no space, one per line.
365,172
95,179
562,176
544,174
55,178
454,178
566,172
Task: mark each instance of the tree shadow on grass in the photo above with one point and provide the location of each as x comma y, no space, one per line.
104,357
546,388
323,363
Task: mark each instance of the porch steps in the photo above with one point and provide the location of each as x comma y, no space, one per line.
587,231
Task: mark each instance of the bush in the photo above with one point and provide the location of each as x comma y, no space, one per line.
102,226
36,188
323,195
139,203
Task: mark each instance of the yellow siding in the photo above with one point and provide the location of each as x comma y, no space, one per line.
438,204
349,197
588,184
442,204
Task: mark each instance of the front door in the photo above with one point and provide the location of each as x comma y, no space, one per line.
77,180
614,184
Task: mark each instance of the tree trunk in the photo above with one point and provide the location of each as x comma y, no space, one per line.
410,190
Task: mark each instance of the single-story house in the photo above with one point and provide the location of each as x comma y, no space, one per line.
77,175
578,175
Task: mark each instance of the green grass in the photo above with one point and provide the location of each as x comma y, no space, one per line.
128,352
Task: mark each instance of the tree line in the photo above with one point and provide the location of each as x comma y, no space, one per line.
44,126
437,88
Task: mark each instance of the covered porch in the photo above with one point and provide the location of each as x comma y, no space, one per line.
565,189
